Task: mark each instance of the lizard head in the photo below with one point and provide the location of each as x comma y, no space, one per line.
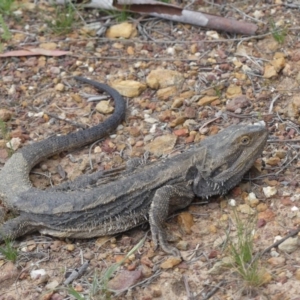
228,156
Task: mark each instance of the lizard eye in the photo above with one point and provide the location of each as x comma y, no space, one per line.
245,140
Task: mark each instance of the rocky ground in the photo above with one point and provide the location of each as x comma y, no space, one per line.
182,83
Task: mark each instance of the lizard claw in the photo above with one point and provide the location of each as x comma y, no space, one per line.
170,250
158,238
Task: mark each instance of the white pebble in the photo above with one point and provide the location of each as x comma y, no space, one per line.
232,202
34,274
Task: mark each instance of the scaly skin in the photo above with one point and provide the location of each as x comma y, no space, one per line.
104,204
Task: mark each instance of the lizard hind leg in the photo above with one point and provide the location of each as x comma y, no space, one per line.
166,200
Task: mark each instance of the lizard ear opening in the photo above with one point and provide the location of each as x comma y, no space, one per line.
191,173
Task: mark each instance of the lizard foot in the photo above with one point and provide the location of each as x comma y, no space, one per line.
159,238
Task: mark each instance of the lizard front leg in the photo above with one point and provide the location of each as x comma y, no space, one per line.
166,200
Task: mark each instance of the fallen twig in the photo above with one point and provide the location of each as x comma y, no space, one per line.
77,273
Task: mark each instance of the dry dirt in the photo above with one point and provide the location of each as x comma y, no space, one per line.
264,69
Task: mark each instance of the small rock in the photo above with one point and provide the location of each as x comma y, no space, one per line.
70,247
177,103
246,209
78,288
190,113
90,46
171,50
186,221
118,45
182,245
88,255
34,274
224,218
166,93
261,207
274,253
251,200
297,274
219,266
130,50
124,279
125,30
56,296
129,88
193,48
266,277
261,223
162,78
56,245
170,262
14,143
31,245
295,197
162,144
156,292
213,254
269,191
43,279
48,46
232,202
207,100
219,241
233,91
190,124
47,296
146,261
52,285
104,107
178,121
290,245
276,261
59,87
181,132
238,102
213,34
146,271
267,215
293,107
150,120
278,63
55,70
281,153
269,71
5,114
212,229
272,161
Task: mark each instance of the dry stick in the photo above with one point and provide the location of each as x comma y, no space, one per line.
61,119
214,290
147,280
77,273
272,103
291,234
284,141
90,152
187,288
27,268
208,122
107,40
43,174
